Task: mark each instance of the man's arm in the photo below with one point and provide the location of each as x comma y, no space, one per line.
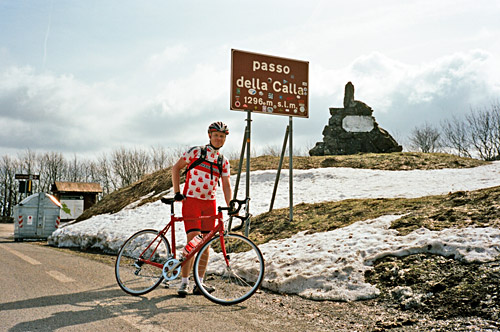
226,187
176,174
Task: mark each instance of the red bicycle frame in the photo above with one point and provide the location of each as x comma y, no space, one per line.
219,227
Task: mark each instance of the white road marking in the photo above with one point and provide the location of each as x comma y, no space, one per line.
54,274
59,276
20,255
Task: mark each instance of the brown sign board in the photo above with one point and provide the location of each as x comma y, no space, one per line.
269,85
27,176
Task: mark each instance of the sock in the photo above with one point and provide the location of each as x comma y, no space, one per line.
185,280
201,280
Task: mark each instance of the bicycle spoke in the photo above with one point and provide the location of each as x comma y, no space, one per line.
133,272
236,282
240,281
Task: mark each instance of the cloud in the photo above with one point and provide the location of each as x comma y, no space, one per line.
61,113
404,96
447,86
167,57
181,105
55,112
195,92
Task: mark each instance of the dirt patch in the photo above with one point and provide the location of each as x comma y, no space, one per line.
439,286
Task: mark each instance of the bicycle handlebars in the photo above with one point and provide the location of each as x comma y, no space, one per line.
233,208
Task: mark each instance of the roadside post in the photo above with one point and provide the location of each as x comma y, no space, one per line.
269,85
26,183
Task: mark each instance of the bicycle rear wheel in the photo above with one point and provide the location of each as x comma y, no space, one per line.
135,276
237,281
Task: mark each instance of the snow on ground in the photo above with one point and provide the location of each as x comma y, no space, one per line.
328,265
331,265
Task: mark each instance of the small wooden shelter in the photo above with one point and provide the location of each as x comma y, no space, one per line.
78,196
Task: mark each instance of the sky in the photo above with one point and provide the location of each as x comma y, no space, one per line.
87,77
329,265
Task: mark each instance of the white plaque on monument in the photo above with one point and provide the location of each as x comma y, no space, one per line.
358,123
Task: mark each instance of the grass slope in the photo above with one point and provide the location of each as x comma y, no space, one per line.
156,183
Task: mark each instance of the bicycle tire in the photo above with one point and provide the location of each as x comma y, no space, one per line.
132,276
238,281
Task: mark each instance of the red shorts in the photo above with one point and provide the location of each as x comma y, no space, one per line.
192,209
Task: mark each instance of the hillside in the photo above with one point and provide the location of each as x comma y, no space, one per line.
154,185
419,285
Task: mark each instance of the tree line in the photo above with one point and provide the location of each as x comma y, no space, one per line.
475,135
112,171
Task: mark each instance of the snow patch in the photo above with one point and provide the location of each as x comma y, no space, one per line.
328,265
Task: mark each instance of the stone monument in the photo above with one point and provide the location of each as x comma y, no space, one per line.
352,129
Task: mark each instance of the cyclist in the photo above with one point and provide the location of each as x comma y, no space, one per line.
198,196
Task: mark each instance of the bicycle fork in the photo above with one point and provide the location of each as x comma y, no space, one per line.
224,252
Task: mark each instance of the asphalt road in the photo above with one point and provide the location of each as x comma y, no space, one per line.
44,289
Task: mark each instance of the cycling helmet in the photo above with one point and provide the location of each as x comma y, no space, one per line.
218,126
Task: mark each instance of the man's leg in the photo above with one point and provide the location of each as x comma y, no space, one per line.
203,263
190,211
207,225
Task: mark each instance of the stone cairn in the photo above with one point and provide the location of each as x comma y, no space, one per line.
352,129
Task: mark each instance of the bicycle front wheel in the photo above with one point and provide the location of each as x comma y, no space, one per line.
137,267
232,280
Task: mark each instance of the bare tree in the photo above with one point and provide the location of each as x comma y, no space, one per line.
8,185
425,139
481,124
495,110
28,161
74,170
105,174
160,158
272,150
121,168
53,168
140,163
456,135
129,166
90,171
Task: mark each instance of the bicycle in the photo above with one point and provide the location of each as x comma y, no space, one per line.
235,267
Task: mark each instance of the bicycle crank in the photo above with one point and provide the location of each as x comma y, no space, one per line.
171,269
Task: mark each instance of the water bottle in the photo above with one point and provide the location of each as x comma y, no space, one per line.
191,245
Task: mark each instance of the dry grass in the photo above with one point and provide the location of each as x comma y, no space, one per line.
160,181
382,161
478,208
